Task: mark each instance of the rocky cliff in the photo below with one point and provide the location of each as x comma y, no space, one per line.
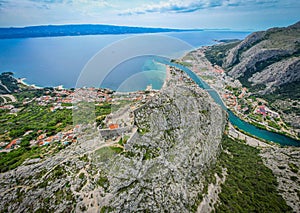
161,168
269,58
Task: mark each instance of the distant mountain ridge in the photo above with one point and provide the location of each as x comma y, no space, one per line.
78,30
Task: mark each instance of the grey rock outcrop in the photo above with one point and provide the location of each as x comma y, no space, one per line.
232,55
285,164
263,49
290,72
250,59
162,167
181,131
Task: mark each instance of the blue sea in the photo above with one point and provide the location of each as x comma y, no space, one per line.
58,61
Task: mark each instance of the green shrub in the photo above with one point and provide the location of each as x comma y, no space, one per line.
81,176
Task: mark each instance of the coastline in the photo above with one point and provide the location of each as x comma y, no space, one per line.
41,31
22,81
168,74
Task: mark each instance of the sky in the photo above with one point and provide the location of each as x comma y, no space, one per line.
201,14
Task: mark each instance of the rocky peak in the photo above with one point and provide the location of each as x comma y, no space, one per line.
233,54
161,167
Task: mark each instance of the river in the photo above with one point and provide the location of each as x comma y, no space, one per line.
236,121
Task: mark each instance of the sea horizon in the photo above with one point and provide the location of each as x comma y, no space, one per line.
58,61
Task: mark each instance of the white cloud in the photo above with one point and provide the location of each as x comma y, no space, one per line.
49,4
178,6
155,13
36,12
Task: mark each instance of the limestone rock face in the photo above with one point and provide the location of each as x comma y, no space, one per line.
182,130
161,168
232,56
273,79
264,50
250,60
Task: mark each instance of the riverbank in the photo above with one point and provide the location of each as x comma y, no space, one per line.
168,75
264,127
253,122
251,141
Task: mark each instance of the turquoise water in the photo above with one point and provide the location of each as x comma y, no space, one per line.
260,133
137,73
236,121
59,60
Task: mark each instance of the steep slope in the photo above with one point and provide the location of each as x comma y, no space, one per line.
268,58
183,130
262,49
162,167
178,160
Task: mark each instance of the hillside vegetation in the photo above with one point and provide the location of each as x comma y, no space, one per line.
8,84
250,186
